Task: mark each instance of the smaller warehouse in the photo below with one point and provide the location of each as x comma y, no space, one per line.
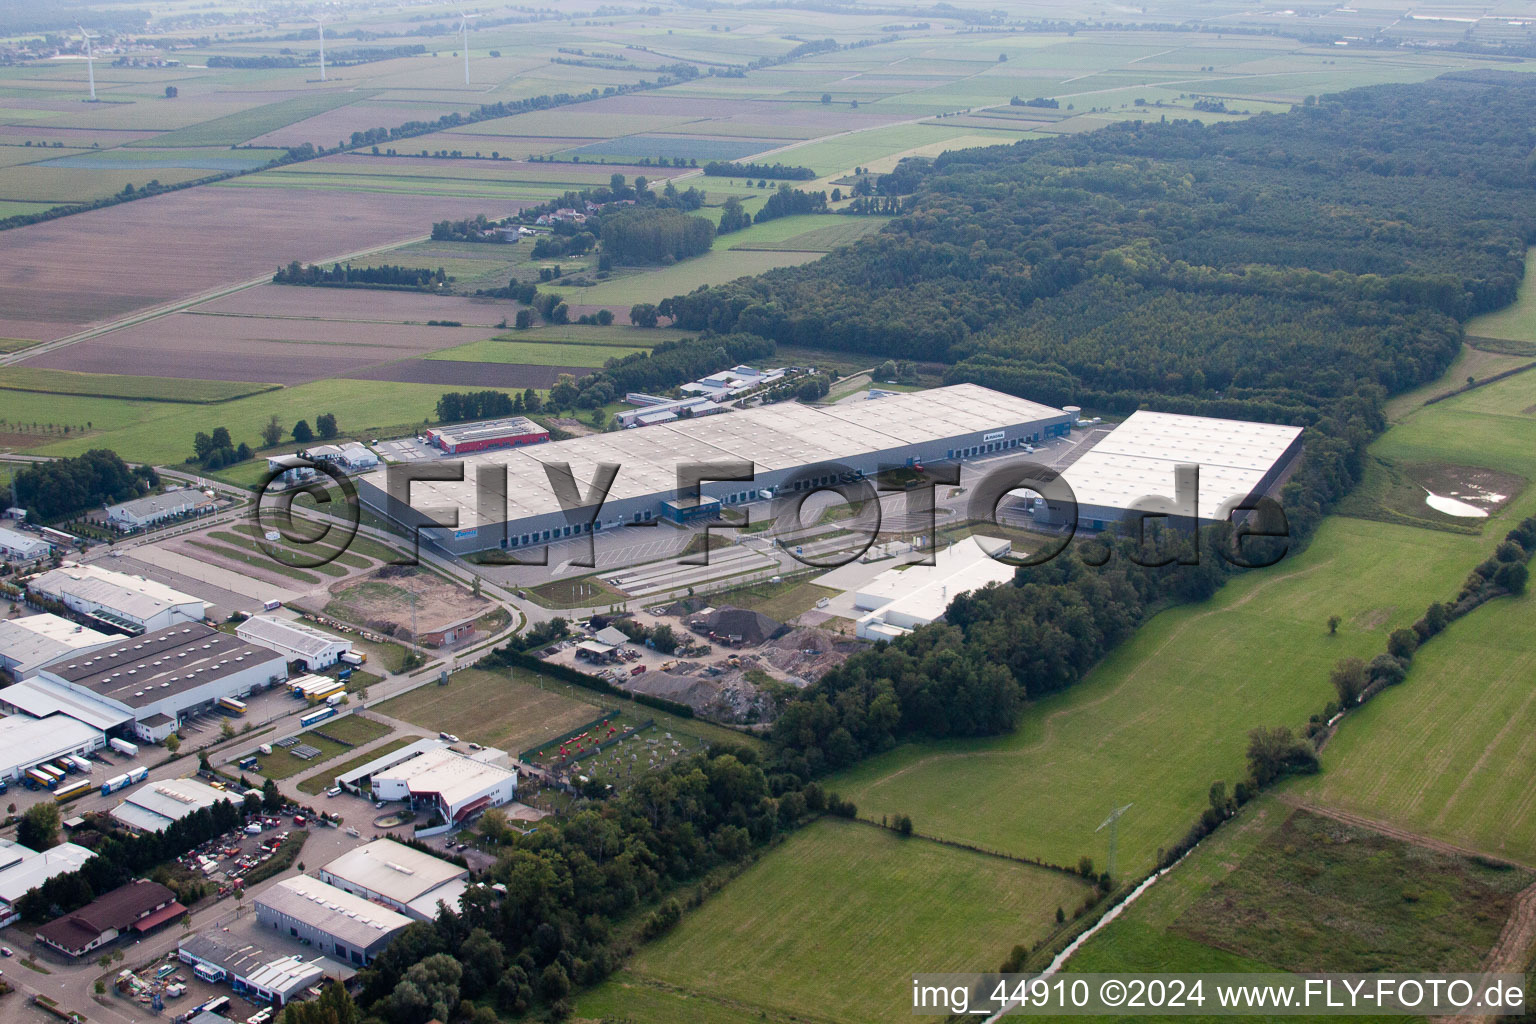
30,642
901,599
22,547
116,600
350,457
296,641
398,876
23,869
363,775
511,432
456,787
140,907
332,920
154,807
26,741
254,972
157,508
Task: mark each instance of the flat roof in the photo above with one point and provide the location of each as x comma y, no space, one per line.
288,634
393,870
40,698
18,541
782,436
389,760
923,592
35,640
156,805
452,776
1137,460
449,894
139,597
284,973
351,919
481,430
26,740
32,871
141,670
170,501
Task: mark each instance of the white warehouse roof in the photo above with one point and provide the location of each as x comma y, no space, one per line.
1138,457
450,775
151,808
285,635
26,741
395,871
774,437
132,595
33,869
902,599
40,698
351,919
28,643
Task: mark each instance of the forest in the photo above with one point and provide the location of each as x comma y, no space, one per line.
726,168
654,234
51,490
348,276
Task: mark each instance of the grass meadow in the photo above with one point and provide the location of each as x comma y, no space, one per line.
1516,322
830,925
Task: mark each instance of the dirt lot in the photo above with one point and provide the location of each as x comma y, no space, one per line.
58,276
278,351
383,599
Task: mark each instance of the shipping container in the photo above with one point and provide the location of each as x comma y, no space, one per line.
354,657
315,717
40,778
115,783
137,775
124,747
81,763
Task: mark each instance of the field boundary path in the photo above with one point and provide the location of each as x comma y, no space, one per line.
1512,951
1395,832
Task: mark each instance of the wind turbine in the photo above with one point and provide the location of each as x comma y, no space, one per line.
464,28
320,21
1113,824
90,61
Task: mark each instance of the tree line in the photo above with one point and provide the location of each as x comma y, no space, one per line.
666,366
65,487
727,168
458,406
383,276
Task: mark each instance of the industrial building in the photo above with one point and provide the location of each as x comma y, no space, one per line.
157,508
296,641
483,435
140,906
786,444
361,776
455,786
154,807
116,600
349,457
22,547
146,684
33,641
23,869
901,599
398,876
254,972
26,741
1133,468
332,920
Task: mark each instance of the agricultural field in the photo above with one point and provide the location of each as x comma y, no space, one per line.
1185,690
716,267
111,385
1261,894
1515,323
514,348
880,900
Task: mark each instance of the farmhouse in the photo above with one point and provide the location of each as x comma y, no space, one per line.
116,600
27,742
30,642
332,920
22,547
296,641
157,508
23,869
1133,469
147,684
786,445
140,906
463,438
398,876
154,807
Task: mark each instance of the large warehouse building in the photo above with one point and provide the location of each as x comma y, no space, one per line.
26,742
780,442
297,641
153,808
1134,467
33,641
116,600
398,876
464,438
146,684
332,920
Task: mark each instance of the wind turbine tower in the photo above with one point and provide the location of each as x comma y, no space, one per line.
90,61
1113,824
321,23
464,28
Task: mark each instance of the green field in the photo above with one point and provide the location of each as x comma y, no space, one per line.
1470,710
281,764
233,129
831,925
9,345
496,709
1184,691
1277,889
322,780
715,267
511,348
110,385
1512,323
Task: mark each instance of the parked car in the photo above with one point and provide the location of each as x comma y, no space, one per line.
333,791
6,951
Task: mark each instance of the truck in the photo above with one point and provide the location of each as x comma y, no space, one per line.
37,778
124,747
80,763
74,789
53,775
335,699
354,658
248,763
233,706
271,606
316,717
115,783
137,775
